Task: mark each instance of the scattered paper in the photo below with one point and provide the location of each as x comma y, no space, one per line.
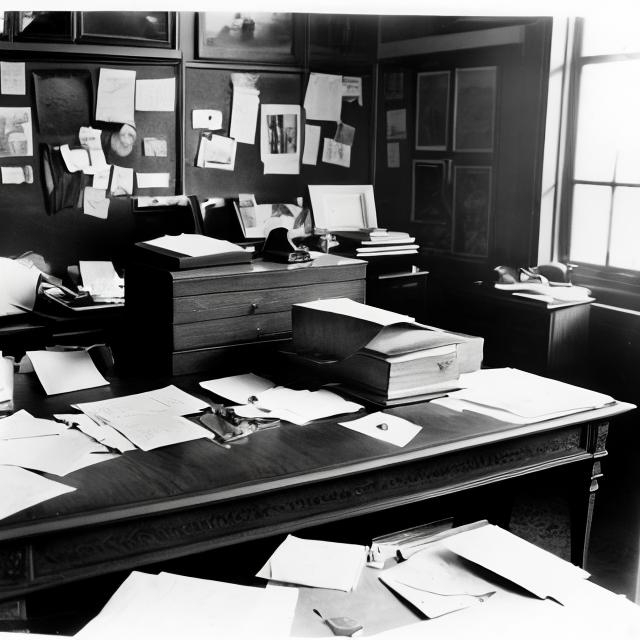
216,152
64,371
18,286
100,279
352,89
348,307
156,147
336,153
22,489
102,433
345,133
95,203
280,138
323,98
244,114
121,181
162,201
311,144
17,136
90,138
386,427
397,124
316,563
157,94
12,78
22,424
237,388
115,99
210,119
101,178
17,175
193,244
152,180
393,155
75,159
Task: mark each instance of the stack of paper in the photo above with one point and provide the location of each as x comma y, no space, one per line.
520,397
315,563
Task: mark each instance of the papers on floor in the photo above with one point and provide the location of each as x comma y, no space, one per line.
172,606
151,419
193,244
22,489
520,397
386,427
316,563
64,371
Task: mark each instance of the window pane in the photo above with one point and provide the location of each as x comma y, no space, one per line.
608,134
590,224
625,229
603,35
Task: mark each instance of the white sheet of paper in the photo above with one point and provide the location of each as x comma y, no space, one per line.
393,155
316,563
155,147
536,570
18,286
22,489
193,244
311,144
100,278
398,431
237,388
152,180
336,153
280,137
101,179
59,455
323,98
90,138
209,119
158,94
22,424
98,162
12,78
18,130
103,433
64,371
244,114
115,101
217,152
75,159
17,175
348,307
95,203
352,89
396,124
121,181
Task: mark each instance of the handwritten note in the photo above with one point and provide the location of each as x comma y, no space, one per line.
95,203
156,95
152,180
336,153
244,114
155,147
323,99
121,181
12,78
311,144
116,95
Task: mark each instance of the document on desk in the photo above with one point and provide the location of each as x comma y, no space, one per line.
541,573
384,426
64,371
238,388
22,424
316,563
103,433
193,244
172,606
22,489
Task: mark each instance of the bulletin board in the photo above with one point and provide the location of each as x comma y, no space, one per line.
211,88
69,235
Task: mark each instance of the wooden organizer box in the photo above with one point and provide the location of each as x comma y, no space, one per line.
230,316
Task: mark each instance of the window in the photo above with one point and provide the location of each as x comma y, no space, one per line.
601,198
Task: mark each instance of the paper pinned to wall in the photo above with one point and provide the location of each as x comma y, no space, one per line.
311,144
95,203
345,133
209,119
18,132
336,153
101,178
121,181
17,175
156,147
244,114
393,155
12,78
152,180
352,89
158,94
115,101
280,138
323,99
216,152
90,138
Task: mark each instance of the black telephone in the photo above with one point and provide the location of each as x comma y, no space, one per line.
279,248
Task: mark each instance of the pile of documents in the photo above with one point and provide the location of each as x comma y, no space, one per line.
553,295
520,397
370,243
380,356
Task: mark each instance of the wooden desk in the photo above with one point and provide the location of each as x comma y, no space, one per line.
195,496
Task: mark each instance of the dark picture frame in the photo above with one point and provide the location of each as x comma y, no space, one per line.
430,204
42,26
270,38
432,110
471,210
5,25
128,28
474,109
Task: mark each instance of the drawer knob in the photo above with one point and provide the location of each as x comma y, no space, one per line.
254,307
258,331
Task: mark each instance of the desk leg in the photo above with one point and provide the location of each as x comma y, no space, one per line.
582,512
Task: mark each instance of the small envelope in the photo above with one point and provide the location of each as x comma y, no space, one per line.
210,119
384,426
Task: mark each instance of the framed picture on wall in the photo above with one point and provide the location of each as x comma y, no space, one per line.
471,209
430,204
250,36
128,28
474,109
432,110
4,25
42,26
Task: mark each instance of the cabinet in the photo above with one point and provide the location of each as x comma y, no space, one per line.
195,319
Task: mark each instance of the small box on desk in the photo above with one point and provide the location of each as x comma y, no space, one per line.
193,320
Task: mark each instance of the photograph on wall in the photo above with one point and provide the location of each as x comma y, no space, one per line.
471,207
430,204
474,109
280,138
432,110
16,136
43,26
129,28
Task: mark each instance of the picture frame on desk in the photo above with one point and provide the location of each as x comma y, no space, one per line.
344,207
252,36
127,28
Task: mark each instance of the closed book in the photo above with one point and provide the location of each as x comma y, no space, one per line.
355,238
391,248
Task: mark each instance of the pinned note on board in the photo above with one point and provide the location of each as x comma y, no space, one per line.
210,119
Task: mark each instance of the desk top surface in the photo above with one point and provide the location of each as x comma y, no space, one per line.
197,473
